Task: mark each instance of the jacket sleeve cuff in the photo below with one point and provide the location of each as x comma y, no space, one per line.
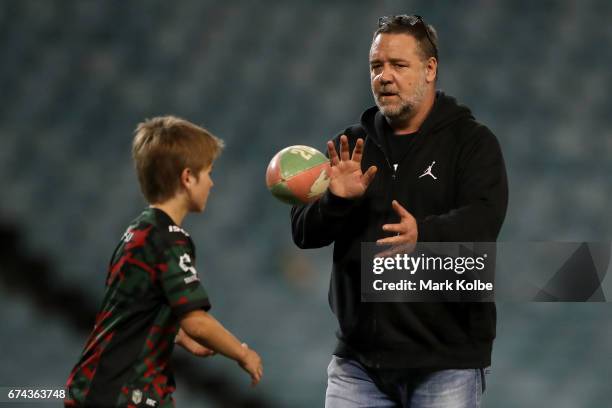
426,230
334,206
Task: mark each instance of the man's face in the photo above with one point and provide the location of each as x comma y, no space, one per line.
398,76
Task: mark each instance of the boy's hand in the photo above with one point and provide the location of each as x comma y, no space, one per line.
203,327
251,363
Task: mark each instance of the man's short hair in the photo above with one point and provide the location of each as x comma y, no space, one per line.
425,34
163,147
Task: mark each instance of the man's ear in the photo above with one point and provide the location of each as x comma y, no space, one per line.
431,68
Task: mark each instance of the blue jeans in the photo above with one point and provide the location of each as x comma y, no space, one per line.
349,385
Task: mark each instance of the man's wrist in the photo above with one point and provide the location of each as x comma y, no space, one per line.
336,205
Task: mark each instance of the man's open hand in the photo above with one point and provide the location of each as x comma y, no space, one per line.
346,178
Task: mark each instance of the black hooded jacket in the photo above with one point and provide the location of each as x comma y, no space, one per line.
465,203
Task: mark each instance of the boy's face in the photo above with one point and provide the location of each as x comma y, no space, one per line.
199,188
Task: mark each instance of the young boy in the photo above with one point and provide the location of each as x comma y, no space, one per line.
153,294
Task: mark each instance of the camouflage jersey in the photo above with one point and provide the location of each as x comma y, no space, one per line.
151,283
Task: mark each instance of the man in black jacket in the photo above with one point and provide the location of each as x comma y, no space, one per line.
422,169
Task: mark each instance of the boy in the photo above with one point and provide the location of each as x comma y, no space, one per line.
153,295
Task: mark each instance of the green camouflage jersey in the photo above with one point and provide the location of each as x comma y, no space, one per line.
151,284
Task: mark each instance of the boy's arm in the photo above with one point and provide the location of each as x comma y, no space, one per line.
188,300
206,330
192,346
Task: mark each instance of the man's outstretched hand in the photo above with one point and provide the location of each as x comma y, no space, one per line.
346,178
406,230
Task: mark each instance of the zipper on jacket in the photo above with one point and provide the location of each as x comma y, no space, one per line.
373,307
393,176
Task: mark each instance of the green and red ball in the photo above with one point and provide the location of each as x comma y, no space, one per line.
298,174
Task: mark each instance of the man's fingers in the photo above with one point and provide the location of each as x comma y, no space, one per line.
394,227
395,240
401,211
333,155
358,151
397,249
394,250
344,148
368,176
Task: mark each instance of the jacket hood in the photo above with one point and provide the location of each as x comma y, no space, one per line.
445,111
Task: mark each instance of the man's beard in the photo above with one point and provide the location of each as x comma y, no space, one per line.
404,109
400,111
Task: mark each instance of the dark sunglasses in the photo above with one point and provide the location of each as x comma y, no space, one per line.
414,21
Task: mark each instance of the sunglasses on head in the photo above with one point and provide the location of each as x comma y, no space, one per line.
413,21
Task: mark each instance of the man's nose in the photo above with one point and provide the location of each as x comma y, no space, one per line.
386,76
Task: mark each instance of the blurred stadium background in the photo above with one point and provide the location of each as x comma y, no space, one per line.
76,77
